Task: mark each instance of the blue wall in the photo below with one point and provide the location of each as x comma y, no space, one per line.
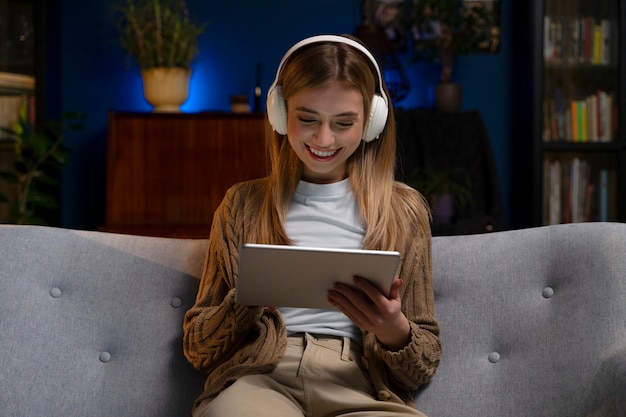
94,76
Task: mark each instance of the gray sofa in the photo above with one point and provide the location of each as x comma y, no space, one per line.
533,323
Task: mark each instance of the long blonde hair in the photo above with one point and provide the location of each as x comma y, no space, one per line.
389,209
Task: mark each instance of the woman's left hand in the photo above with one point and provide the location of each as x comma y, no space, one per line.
372,311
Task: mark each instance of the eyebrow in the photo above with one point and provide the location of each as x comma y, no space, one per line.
348,113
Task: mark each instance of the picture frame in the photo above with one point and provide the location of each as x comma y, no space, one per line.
492,6
389,15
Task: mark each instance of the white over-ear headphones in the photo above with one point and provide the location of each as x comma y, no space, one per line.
379,109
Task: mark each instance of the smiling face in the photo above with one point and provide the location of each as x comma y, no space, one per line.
324,127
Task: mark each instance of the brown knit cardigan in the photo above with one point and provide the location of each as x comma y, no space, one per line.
225,340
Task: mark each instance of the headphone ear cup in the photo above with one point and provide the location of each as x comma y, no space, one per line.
377,119
277,110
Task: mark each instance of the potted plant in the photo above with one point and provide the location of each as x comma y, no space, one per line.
160,36
447,191
444,29
31,183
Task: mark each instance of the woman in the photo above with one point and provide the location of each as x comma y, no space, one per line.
331,184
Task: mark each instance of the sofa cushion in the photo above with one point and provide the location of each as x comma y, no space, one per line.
88,320
527,318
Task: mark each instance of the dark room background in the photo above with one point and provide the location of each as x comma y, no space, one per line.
88,72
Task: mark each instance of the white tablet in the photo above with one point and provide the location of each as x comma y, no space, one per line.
297,276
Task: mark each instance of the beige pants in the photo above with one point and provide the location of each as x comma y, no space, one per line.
317,377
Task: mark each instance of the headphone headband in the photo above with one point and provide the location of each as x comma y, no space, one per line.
335,39
379,107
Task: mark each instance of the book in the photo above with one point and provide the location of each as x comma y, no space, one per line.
574,190
9,110
587,39
574,120
604,195
597,44
548,43
582,120
605,49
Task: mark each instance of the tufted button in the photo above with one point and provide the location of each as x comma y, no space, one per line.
55,292
105,357
494,357
383,395
176,302
547,292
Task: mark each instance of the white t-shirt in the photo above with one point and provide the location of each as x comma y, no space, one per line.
323,215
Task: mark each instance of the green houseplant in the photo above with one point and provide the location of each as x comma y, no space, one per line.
161,38
31,184
447,191
444,29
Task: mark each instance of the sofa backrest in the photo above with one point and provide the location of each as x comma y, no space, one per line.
91,323
533,323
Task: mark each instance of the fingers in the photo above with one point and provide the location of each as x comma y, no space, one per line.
394,293
355,315
372,292
371,310
375,295
366,303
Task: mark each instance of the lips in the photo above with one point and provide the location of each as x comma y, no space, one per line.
322,154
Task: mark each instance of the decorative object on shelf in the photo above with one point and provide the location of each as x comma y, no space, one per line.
14,89
13,83
444,29
166,89
240,103
163,41
447,191
9,110
256,104
33,179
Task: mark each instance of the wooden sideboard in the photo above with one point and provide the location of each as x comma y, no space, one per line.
167,173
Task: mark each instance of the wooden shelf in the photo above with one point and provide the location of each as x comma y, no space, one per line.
167,173
11,83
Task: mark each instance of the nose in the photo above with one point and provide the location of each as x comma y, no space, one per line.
324,136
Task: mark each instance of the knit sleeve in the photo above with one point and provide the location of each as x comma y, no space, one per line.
405,370
418,361
216,326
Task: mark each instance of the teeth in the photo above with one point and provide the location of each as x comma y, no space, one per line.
322,154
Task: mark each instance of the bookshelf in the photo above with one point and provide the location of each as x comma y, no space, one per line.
21,56
569,160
